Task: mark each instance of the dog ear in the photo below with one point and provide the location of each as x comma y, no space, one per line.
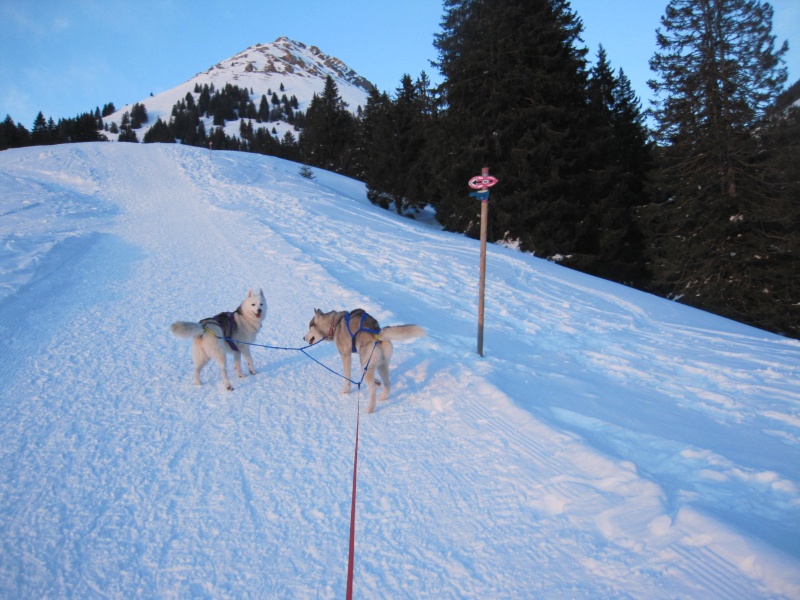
249,292
317,311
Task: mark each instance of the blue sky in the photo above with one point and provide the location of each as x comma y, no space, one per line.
66,57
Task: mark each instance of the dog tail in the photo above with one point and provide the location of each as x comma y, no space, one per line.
184,329
399,333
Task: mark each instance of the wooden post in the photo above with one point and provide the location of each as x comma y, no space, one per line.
482,281
482,185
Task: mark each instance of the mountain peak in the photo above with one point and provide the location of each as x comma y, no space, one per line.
285,56
292,67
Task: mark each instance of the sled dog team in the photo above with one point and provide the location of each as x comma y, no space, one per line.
352,331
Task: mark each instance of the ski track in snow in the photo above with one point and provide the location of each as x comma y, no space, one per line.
609,445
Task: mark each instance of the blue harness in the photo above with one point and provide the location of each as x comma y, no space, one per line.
360,328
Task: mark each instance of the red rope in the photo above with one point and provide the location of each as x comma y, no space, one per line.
351,555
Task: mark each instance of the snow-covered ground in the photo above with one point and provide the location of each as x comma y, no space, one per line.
610,444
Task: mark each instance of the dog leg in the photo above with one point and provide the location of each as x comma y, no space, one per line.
347,360
372,387
223,366
237,363
200,358
248,357
383,369
218,354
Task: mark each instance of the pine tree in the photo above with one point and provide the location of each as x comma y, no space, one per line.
414,116
307,172
52,131
138,115
393,146
289,148
11,135
375,130
773,264
204,100
718,70
514,100
619,159
41,134
159,133
328,138
82,128
263,110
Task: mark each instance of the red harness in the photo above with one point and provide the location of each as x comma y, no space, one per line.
332,329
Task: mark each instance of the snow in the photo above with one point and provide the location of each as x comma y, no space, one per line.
304,80
610,444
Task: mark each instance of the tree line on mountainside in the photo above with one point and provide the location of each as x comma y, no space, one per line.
700,204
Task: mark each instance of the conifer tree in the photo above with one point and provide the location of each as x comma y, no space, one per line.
204,100
82,128
393,143
11,135
717,72
612,244
41,134
290,149
263,110
714,243
514,100
158,133
138,115
328,137
375,160
52,130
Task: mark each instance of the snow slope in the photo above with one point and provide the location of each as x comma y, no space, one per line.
610,444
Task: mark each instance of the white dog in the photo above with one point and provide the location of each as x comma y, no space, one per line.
241,325
356,331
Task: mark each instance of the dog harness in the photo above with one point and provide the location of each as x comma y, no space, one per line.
225,321
361,328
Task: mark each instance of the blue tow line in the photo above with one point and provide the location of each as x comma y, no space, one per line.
303,350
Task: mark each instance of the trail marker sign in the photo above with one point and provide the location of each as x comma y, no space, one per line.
481,182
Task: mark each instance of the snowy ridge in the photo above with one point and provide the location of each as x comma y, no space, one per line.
287,57
302,70
611,444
